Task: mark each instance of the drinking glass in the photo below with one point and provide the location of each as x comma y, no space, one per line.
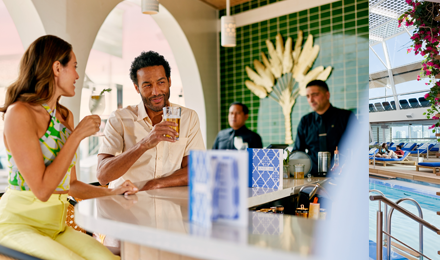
97,107
173,114
238,142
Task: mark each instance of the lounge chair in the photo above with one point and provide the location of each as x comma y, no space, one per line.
387,106
372,154
404,104
372,108
430,165
409,146
435,149
373,143
393,104
379,107
402,160
423,149
414,102
424,102
394,145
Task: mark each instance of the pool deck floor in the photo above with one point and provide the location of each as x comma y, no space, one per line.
405,172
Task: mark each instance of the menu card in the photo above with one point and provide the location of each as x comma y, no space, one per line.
218,187
266,168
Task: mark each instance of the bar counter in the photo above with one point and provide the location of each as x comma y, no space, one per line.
154,225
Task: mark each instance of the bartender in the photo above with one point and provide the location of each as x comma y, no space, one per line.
321,130
238,114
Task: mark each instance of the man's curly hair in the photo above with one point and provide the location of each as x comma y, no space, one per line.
148,59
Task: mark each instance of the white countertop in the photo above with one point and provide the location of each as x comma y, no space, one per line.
159,219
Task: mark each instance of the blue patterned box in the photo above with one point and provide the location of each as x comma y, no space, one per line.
218,187
266,168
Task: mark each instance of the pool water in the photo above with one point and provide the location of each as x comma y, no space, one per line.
402,227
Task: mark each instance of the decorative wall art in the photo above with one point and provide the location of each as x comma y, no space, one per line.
284,76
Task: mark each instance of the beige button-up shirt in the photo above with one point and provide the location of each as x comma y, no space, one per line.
127,126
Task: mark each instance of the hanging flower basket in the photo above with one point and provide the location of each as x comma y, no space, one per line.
425,16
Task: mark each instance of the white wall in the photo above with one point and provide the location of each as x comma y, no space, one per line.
199,23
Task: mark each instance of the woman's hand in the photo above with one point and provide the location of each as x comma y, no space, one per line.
126,188
87,127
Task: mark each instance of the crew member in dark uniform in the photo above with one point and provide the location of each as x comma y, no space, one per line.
322,129
238,114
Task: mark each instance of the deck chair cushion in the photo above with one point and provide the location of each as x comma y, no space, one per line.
409,146
430,164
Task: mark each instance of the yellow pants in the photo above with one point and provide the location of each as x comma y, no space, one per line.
39,229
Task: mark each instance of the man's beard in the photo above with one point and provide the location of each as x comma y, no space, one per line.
148,104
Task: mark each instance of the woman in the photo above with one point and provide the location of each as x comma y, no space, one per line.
385,153
41,143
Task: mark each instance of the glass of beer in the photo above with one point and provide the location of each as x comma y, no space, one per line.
172,114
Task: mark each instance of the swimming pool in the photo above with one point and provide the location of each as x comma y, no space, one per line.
404,228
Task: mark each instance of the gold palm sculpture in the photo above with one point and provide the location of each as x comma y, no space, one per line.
278,76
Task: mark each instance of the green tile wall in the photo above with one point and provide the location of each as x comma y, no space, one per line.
248,6
339,28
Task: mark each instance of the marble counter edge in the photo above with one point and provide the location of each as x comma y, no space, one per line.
180,243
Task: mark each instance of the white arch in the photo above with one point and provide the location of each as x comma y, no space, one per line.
26,19
186,62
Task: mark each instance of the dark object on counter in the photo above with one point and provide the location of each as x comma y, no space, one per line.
280,209
323,163
277,146
302,212
305,199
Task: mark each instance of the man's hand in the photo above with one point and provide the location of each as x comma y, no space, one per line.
152,185
158,133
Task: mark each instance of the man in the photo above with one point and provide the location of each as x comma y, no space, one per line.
399,151
135,146
238,114
322,129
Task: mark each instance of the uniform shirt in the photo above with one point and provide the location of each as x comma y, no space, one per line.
127,126
335,120
225,138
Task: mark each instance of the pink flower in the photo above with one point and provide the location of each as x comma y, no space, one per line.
431,127
428,72
427,94
430,63
409,50
435,118
426,84
418,77
423,53
436,99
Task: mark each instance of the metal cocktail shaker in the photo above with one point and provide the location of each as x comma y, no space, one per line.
324,159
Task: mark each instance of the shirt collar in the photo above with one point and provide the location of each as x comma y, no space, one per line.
241,129
325,113
142,112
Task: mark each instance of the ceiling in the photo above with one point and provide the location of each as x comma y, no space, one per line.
400,75
383,22
221,4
